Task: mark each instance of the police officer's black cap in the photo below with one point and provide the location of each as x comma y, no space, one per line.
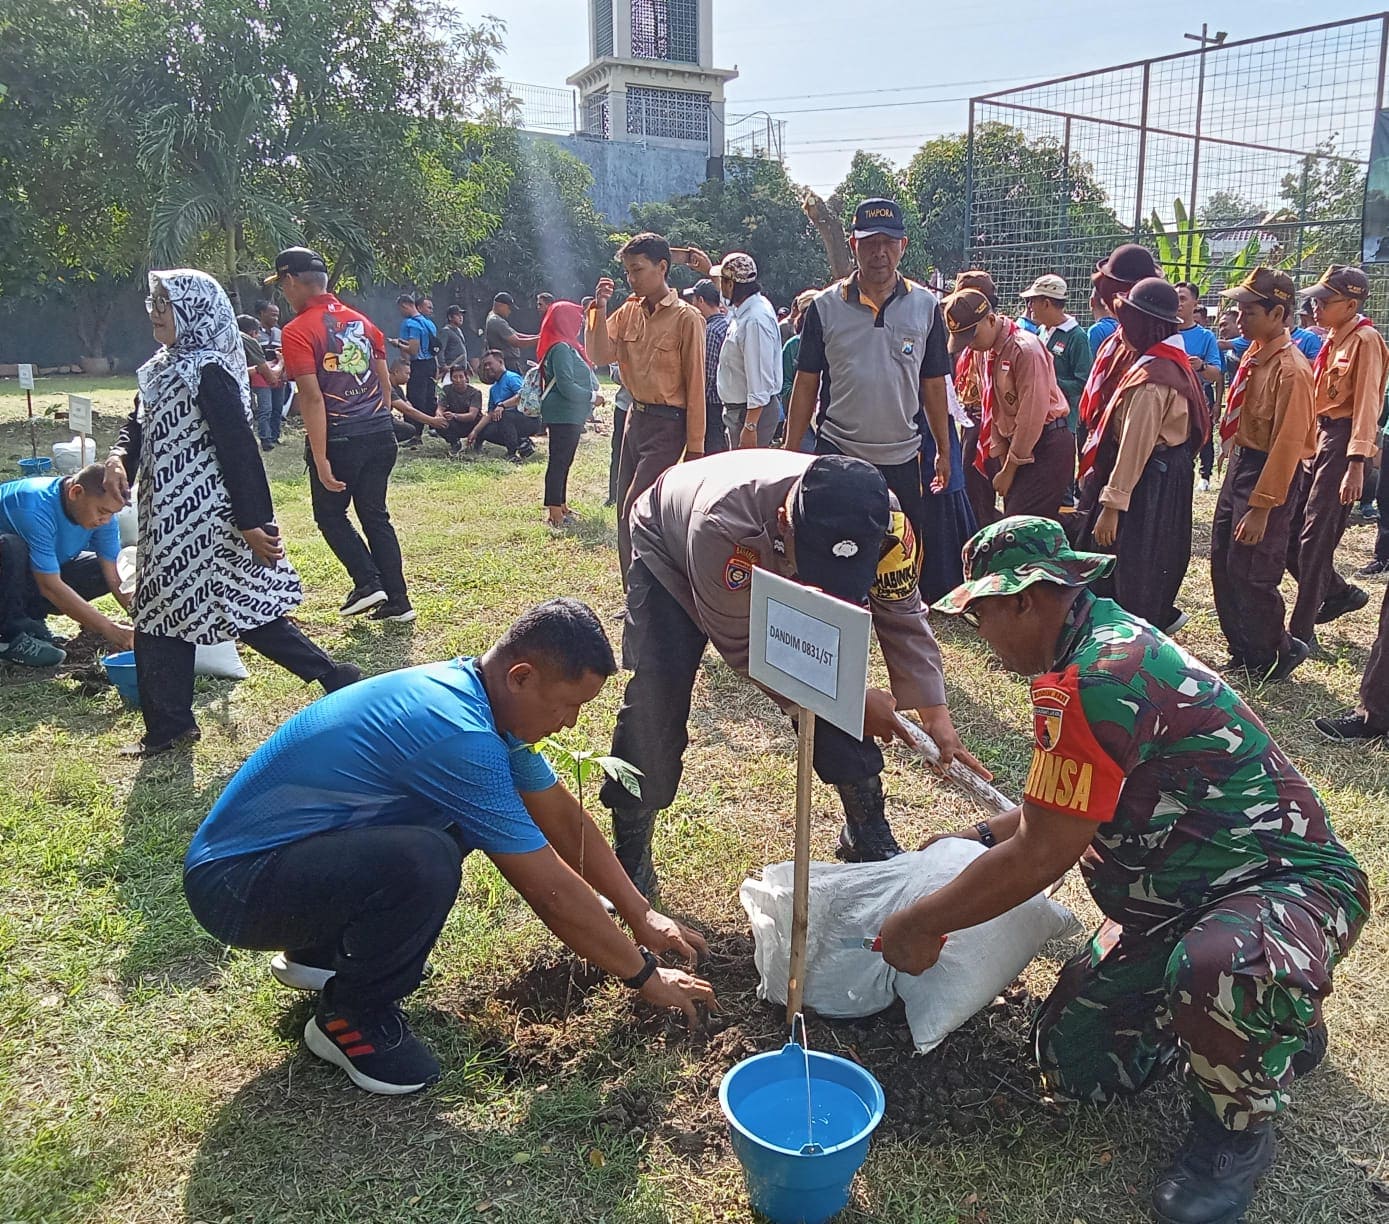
1128,264
503,299
295,261
704,289
840,516
879,217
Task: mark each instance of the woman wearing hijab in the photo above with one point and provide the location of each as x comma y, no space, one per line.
1137,467
566,401
211,563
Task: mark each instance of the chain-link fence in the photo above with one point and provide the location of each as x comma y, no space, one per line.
1230,155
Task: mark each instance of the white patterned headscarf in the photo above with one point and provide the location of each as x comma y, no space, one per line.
205,333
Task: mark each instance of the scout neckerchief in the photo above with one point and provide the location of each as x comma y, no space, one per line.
1234,401
1324,357
1092,399
986,384
1170,349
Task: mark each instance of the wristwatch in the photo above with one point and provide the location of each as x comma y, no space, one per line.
638,980
986,834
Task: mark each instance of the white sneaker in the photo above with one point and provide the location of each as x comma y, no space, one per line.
1204,485
296,976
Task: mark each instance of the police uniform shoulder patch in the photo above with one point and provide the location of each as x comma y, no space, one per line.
899,561
737,572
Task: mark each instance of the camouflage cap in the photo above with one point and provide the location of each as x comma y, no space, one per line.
1010,555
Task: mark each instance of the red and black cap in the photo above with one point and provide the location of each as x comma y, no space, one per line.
295,261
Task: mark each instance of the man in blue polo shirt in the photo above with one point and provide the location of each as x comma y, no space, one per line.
504,424
341,840
1203,351
58,547
419,341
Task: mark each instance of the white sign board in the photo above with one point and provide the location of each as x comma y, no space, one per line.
80,414
26,377
810,648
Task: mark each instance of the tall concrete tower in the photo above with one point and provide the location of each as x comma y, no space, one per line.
650,75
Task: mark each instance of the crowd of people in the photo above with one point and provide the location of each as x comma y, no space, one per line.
1030,474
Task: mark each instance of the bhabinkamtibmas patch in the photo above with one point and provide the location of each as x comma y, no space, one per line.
737,573
1070,772
899,561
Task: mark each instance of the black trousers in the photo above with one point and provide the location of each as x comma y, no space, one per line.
364,465
368,903
1374,685
564,444
715,431
164,672
1245,578
651,443
1382,505
422,391
20,598
662,646
615,454
1319,522
508,432
904,479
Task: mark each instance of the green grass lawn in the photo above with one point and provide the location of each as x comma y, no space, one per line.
149,1074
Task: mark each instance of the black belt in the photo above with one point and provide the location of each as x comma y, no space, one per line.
666,412
1060,423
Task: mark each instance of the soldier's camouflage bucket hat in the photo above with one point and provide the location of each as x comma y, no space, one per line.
1012,554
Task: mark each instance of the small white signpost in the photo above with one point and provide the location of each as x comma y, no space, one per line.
26,377
26,382
812,649
80,422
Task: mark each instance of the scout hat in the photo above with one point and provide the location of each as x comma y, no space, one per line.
977,278
294,261
1010,555
1264,285
1047,286
879,217
1128,264
1340,280
740,268
1155,297
964,310
840,516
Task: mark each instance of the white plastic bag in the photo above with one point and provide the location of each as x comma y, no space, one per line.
128,523
68,457
849,901
221,661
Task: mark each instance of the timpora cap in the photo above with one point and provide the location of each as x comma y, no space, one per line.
1340,280
1047,286
738,266
964,310
1128,264
1154,297
840,517
977,278
879,217
1264,285
1011,555
294,261
704,289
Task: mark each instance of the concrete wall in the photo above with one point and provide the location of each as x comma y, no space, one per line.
627,173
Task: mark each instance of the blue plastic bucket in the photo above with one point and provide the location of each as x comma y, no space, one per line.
764,1100
120,670
41,466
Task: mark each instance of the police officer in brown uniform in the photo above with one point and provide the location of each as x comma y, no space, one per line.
1024,445
827,521
1269,422
1348,393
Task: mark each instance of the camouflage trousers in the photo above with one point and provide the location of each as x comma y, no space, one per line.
1233,992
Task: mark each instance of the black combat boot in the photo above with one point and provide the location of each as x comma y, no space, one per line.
1308,1059
1213,1176
866,836
632,845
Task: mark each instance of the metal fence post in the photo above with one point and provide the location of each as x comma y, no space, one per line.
965,236
1142,154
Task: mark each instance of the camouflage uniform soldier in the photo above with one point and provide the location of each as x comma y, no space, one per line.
1227,897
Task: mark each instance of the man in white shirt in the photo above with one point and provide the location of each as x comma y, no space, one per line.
749,379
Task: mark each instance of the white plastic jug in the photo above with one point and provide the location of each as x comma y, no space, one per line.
68,457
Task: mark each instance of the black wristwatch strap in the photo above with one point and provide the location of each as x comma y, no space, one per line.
639,980
986,834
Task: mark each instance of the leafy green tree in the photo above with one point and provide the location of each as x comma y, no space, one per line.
872,176
757,209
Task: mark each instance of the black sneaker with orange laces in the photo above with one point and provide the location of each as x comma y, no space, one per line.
376,1049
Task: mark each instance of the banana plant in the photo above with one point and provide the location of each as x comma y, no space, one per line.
1185,253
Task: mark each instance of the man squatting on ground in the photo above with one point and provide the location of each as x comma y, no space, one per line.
340,842
1227,898
826,521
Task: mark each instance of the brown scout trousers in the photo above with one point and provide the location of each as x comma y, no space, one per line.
978,488
650,445
1245,578
1374,688
1319,522
1042,486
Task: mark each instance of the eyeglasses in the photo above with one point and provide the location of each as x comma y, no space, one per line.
158,305
970,618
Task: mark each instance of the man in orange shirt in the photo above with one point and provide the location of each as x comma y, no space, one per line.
1024,445
1348,393
657,340
1269,422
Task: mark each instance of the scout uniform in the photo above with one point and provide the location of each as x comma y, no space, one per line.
1269,421
1227,898
696,537
1024,417
968,368
1349,376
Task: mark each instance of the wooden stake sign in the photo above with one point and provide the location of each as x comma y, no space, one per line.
80,422
26,381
